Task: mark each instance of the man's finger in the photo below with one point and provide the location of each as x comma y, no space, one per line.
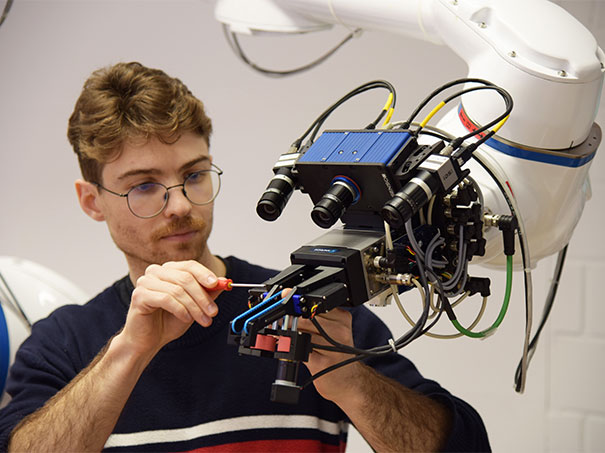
181,280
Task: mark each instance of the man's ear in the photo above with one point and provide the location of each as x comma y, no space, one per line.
88,196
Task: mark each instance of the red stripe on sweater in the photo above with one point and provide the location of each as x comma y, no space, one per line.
262,446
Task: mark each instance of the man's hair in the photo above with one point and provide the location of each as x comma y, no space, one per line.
127,103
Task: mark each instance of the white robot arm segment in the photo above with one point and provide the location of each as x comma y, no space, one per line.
548,61
28,293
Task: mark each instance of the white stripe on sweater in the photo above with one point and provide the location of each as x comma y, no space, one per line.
225,426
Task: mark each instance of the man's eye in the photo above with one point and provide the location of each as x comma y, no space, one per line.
196,177
146,188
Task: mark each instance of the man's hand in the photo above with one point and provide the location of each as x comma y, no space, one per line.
338,324
167,299
388,415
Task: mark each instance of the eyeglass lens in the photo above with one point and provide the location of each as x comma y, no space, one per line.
148,200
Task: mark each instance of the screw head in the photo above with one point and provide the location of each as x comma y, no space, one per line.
482,25
512,54
562,73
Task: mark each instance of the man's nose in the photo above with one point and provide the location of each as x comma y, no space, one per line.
178,204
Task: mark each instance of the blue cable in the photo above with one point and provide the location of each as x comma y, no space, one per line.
252,310
266,310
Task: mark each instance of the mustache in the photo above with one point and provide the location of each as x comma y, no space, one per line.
179,225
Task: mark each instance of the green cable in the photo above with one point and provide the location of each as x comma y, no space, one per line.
490,330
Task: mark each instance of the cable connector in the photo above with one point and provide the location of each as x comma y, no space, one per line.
508,224
465,153
396,279
385,262
289,158
478,285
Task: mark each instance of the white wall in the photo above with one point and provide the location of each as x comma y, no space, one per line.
48,48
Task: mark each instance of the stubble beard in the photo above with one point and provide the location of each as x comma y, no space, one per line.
141,253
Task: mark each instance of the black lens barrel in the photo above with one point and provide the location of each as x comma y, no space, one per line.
414,194
341,194
277,194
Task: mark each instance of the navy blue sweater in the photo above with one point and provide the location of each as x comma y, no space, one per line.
198,393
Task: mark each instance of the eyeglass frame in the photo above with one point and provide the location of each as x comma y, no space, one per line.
214,169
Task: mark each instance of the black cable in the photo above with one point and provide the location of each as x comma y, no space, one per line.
486,85
524,256
507,99
483,139
345,348
360,89
526,284
376,351
415,332
509,106
7,8
366,354
235,46
332,368
545,313
435,92
434,134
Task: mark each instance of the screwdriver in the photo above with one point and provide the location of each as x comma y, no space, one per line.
227,284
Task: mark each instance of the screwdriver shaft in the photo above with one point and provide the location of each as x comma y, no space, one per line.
247,285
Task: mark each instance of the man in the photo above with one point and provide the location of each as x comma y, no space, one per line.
145,365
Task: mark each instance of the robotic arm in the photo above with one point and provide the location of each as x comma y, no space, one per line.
392,194
549,63
439,207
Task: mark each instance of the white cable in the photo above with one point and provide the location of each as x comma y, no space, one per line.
356,32
430,210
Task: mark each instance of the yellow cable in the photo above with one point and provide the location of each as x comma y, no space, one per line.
388,118
500,124
387,107
389,102
430,115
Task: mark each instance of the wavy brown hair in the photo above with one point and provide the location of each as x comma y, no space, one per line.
127,103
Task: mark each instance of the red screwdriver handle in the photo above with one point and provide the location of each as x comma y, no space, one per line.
224,284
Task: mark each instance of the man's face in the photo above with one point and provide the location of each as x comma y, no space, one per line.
181,230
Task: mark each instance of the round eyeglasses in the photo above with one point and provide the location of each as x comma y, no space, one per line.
149,199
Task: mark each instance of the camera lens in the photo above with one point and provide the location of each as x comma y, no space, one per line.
406,203
342,193
277,194
323,217
396,211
